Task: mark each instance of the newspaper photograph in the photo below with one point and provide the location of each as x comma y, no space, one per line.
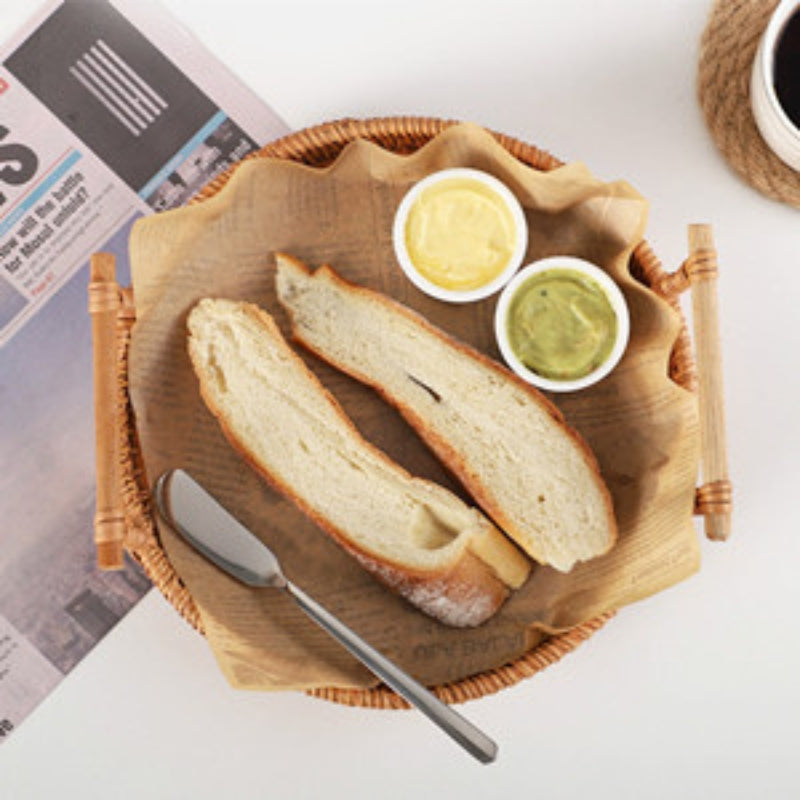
108,111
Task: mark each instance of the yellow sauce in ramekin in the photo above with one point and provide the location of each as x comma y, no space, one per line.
460,234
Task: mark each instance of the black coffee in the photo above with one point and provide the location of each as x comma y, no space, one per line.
787,69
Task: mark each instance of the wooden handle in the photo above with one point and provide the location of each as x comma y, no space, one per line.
109,523
714,496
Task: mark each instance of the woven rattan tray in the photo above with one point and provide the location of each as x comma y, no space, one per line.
124,513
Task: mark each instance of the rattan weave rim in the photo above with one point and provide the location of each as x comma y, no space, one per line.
319,146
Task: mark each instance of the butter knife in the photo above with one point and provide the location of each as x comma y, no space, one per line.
194,514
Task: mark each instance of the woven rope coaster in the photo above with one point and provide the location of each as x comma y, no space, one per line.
727,51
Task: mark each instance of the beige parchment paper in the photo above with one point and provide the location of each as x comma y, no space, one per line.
642,426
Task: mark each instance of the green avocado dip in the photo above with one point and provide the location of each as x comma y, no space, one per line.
561,324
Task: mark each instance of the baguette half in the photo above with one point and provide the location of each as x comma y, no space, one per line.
507,443
415,536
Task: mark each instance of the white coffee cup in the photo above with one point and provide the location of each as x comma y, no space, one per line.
779,132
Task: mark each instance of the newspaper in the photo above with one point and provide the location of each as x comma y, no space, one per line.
108,111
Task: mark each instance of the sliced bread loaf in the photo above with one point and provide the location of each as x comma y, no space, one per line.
415,536
506,442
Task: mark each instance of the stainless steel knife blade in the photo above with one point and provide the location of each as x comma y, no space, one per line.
214,531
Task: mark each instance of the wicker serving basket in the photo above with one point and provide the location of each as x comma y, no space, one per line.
124,513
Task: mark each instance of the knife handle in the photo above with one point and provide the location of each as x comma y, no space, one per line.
451,722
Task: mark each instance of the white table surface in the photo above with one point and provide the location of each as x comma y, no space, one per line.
694,693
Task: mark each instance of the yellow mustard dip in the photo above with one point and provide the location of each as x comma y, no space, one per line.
460,234
561,324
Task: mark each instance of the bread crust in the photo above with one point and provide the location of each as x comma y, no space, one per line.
446,453
464,594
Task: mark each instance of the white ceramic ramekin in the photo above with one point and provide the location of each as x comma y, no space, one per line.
457,295
614,296
780,134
